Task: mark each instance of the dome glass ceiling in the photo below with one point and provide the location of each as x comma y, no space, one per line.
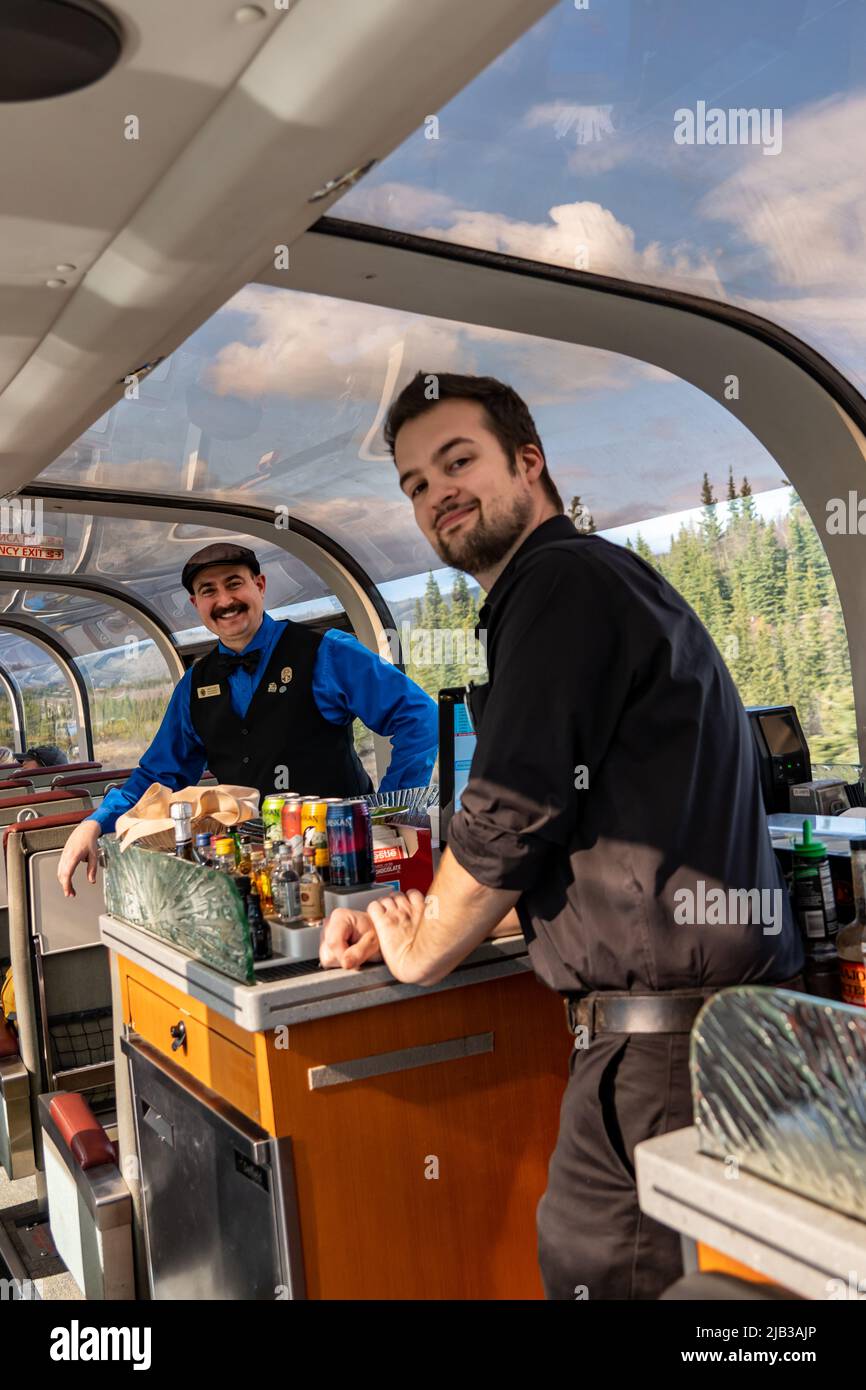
711,148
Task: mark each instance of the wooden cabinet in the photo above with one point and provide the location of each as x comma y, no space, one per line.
214,1050
421,1129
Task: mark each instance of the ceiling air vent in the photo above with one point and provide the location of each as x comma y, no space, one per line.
51,47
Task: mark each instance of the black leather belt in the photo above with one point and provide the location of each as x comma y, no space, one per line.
671,1011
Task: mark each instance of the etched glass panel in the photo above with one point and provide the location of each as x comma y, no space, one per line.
779,1085
196,909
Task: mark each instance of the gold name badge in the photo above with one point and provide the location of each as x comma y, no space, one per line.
205,690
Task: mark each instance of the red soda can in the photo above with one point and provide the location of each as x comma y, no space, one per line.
290,821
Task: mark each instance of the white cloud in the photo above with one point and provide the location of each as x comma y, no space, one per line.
600,146
807,211
394,204
580,235
306,346
585,235
804,215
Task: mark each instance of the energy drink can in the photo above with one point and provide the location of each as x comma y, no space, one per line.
290,818
362,841
342,862
272,807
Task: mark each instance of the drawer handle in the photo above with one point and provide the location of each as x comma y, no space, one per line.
178,1032
385,1063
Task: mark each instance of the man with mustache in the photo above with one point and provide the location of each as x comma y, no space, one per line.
271,700
614,767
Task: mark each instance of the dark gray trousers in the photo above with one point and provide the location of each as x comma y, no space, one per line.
593,1240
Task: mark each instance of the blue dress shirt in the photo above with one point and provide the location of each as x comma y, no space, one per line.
349,682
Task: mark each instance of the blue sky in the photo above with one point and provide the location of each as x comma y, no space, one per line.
519,141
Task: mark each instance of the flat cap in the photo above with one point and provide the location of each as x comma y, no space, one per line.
219,553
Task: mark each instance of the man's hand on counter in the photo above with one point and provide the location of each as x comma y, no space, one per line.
81,845
421,939
349,939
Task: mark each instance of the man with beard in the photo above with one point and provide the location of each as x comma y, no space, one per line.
614,769
273,700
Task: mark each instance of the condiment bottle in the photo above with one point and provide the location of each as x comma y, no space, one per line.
243,845
285,889
181,814
260,930
224,854
312,890
262,879
851,941
815,907
203,849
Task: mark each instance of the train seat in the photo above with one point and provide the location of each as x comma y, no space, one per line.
60,970
13,786
16,1129
89,1205
96,782
42,777
27,806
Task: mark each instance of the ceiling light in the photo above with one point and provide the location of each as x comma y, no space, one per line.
49,48
249,14
65,269
55,284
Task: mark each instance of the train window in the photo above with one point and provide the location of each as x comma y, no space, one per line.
311,377
717,153
128,682
146,558
47,697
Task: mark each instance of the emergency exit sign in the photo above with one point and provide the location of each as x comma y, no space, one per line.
21,547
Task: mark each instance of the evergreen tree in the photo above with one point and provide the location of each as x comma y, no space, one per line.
710,524
733,507
815,558
643,550
463,610
748,507
434,604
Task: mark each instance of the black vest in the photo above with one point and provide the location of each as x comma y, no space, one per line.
281,729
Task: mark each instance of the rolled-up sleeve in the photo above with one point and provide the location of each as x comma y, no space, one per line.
546,722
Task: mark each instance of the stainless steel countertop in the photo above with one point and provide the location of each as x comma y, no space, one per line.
318,994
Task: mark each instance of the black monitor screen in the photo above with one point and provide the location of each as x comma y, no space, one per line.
456,747
780,731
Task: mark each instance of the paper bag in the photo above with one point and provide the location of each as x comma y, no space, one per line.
149,824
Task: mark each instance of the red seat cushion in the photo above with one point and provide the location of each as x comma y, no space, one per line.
80,1129
8,1039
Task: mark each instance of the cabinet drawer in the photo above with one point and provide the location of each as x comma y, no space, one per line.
205,1054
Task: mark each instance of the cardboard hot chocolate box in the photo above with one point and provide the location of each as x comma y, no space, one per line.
413,868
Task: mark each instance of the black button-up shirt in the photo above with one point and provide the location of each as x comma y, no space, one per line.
615,780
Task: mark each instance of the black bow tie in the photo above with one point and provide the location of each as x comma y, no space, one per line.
226,663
